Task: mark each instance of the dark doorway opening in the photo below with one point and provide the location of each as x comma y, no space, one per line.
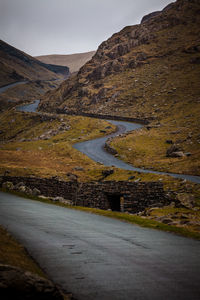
114,201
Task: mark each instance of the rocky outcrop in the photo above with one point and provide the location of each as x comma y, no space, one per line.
109,149
17,284
57,69
150,16
176,151
155,13
92,91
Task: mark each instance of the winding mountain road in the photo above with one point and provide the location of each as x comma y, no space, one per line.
95,150
97,258
8,86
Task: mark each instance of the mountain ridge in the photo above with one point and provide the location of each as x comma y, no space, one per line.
73,61
15,65
133,48
24,64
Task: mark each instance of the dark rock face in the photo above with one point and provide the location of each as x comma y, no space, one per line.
149,16
122,53
174,151
57,69
110,149
155,13
20,285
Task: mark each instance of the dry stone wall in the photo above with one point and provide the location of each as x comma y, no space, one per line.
105,117
120,196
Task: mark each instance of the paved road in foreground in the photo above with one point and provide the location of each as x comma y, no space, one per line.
101,258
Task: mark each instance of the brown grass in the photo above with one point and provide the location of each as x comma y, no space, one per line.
51,157
13,253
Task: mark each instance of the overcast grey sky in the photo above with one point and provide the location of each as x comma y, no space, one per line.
41,27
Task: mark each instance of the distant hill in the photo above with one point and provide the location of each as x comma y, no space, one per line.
73,61
39,77
16,65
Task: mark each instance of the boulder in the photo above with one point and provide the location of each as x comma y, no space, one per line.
36,192
72,177
68,202
25,189
8,185
186,200
166,220
178,154
131,177
57,199
106,173
43,197
19,184
109,149
172,151
169,141
77,168
18,284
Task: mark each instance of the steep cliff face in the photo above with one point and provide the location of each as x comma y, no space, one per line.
141,71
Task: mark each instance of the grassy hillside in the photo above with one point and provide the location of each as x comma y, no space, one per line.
150,70
41,146
73,61
15,66
32,144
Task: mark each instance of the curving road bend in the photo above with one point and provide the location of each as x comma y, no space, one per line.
97,258
95,150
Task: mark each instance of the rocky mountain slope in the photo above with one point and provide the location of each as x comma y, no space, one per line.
38,77
140,71
149,71
73,61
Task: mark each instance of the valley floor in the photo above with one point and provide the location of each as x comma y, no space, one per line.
41,145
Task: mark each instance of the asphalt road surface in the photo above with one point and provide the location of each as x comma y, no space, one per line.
6,87
98,258
95,150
